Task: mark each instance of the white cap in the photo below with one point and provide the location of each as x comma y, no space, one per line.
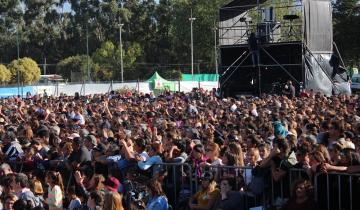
74,135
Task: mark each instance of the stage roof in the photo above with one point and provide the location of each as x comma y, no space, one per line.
240,3
237,7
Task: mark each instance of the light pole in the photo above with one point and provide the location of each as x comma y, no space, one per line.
87,52
192,45
18,56
121,53
215,51
199,62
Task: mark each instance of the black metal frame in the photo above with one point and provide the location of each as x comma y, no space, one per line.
261,48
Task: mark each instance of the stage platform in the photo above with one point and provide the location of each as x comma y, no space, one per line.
279,62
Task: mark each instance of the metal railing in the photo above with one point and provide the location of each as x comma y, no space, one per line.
336,191
179,184
332,191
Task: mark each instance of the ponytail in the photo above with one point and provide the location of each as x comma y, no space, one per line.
56,179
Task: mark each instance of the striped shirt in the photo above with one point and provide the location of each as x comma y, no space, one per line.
55,198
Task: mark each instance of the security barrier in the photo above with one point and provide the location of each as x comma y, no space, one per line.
252,195
179,184
336,191
332,191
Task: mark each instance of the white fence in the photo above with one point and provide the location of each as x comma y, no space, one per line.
98,88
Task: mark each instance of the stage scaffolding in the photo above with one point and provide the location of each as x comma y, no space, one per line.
301,29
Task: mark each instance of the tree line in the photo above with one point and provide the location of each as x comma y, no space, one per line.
155,36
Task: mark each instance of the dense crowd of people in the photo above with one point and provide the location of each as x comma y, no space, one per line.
90,152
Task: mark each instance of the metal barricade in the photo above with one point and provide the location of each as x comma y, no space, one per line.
243,177
179,183
332,191
335,191
281,191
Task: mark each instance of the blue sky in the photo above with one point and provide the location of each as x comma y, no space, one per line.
67,7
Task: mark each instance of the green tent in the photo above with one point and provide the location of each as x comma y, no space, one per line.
156,82
200,77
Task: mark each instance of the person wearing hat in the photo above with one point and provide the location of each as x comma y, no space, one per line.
349,160
206,196
112,184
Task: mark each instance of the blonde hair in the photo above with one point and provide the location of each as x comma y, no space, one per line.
37,188
113,201
214,147
236,150
98,181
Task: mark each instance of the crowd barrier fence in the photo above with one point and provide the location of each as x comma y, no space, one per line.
179,183
99,88
242,177
336,191
332,191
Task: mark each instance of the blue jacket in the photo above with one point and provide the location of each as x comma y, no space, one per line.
158,203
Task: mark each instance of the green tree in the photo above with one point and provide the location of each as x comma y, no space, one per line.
75,68
5,74
172,74
346,30
28,70
206,14
156,33
108,58
11,19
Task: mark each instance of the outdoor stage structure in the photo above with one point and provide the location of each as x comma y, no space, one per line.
294,41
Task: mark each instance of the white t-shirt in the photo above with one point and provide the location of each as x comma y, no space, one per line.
217,162
144,155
